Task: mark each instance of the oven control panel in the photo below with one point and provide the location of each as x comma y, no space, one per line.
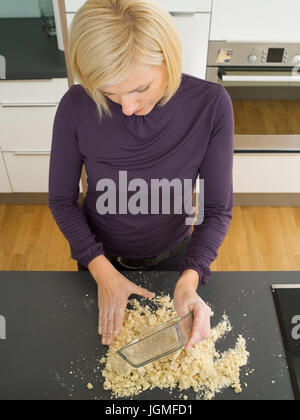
256,54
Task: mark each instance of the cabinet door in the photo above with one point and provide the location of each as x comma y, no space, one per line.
194,31
35,91
27,110
4,181
186,5
26,127
266,173
73,5
29,171
256,20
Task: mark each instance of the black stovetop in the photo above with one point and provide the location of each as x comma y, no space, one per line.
287,302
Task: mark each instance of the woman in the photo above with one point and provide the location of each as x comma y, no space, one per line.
135,117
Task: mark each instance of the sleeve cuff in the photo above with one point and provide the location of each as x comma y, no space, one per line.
202,269
89,254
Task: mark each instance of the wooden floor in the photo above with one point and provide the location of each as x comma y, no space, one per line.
259,238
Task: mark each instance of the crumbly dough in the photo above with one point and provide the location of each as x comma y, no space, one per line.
200,368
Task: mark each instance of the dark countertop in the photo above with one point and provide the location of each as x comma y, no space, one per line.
30,53
51,319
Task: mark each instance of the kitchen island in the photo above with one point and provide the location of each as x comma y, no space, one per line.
52,350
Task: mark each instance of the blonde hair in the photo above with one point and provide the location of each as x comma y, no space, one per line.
107,37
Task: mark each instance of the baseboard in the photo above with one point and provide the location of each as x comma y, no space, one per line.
240,199
27,198
266,200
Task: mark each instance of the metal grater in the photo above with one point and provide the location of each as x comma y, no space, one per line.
166,339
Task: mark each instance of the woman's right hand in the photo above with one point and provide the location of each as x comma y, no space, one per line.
113,292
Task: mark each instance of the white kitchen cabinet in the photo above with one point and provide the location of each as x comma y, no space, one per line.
203,6
29,171
266,173
27,111
4,180
39,92
194,30
69,17
33,130
73,5
256,21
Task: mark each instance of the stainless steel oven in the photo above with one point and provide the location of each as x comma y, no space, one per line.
263,80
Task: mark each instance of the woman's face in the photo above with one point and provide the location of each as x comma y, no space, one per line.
141,91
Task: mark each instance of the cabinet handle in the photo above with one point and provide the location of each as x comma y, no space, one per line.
28,152
182,14
27,104
241,78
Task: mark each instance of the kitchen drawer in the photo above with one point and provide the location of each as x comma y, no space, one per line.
266,173
32,92
26,128
4,181
170,5
187,5
29,172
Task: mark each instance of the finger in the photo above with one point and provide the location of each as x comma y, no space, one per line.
110,327
119,318
102,316
100,322
101,308
104,326
203,332
197,327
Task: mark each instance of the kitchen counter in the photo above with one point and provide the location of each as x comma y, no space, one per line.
51,323
30,53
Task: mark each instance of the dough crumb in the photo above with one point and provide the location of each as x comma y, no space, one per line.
90,386
201,367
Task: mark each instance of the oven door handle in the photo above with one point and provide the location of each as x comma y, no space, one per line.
247,78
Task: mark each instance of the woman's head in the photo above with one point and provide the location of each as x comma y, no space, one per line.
120,46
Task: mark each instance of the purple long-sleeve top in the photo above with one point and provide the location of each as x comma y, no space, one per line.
189,136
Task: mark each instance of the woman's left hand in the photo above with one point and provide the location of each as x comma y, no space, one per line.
187,300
